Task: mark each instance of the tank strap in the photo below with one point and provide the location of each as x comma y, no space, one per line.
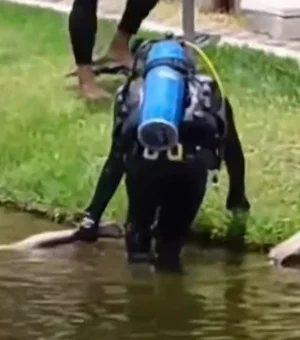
181,66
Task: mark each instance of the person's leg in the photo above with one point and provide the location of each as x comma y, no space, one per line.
142,206
181,200
134,14
82,30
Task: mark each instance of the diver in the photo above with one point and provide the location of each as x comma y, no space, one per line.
172,126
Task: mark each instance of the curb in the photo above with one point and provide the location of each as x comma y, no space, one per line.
151,26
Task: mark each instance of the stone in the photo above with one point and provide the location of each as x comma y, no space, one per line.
278,18
286,253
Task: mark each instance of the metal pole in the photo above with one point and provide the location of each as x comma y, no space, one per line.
188,19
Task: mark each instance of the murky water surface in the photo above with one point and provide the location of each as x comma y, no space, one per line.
88,292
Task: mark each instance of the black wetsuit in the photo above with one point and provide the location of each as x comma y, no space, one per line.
83,24
174,190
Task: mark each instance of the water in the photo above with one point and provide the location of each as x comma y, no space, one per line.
87,292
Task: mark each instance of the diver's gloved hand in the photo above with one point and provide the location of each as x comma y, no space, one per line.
90,231
237,203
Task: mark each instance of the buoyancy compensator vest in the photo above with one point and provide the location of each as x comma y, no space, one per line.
167,111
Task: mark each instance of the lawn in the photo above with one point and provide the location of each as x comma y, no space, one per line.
53,144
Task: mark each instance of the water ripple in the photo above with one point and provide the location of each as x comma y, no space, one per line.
89,292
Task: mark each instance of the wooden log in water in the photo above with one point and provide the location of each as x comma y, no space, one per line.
287,253
48,239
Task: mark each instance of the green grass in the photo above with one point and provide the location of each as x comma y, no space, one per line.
53,145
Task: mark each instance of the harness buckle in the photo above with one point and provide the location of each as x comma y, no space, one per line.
176,153
150,155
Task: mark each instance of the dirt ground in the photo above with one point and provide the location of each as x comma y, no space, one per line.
169,13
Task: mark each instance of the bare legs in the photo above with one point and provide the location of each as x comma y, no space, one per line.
83,28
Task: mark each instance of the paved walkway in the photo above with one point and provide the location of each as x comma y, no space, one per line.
231,33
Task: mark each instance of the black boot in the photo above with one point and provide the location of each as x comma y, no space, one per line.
138,245
167,258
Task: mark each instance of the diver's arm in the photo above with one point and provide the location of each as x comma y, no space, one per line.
235,164
108,182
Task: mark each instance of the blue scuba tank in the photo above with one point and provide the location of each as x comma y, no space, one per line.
163,102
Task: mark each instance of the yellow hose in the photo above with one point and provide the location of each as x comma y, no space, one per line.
209,64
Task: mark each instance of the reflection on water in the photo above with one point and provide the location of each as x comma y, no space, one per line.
88,292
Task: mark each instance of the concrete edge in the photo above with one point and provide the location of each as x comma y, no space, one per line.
290,9
151,26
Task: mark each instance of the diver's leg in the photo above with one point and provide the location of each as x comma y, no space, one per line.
235,164
82,30
182,198
142,205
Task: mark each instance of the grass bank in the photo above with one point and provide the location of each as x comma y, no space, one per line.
53,144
